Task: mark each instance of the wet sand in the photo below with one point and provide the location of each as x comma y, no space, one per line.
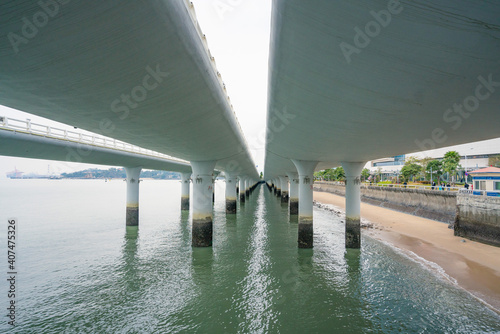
475,267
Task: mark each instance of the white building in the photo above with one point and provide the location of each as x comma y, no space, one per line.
487,179
473,156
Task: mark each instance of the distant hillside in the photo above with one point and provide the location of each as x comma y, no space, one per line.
119,173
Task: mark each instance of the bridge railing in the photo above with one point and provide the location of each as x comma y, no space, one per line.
415,186
399,185
26,126
491,193
194,19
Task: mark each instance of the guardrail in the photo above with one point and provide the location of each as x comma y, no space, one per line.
415,186
26,126
461,190
399,185
194,19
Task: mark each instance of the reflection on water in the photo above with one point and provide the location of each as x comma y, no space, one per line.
202,265
293,219
130,263
257,295
83,271
185,225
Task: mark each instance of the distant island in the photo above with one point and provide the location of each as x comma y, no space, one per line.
94,173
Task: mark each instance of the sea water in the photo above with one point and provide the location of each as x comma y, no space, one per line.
80,270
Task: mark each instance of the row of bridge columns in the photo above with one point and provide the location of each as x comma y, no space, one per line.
293,188
202,177
297,190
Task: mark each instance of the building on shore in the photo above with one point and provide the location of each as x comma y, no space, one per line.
473,156
486,179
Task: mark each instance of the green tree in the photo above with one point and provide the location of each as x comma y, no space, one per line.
365,173
423,162
330,174
451,162
409,170
378,175
327,174
494,160
411,160
339,174
436,167
261,175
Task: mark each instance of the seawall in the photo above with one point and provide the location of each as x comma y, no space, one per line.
431,204
478,218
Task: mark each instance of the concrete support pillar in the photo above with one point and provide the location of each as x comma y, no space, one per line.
185,181
306,171
202,203
247,188
278,187
242,189
284,189
132,215
230,193
353,203
293,178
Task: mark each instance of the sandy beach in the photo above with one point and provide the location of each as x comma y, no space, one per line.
474,266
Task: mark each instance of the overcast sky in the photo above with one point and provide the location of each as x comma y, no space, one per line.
237,32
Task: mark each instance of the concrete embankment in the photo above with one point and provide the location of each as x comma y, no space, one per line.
478,218
431,204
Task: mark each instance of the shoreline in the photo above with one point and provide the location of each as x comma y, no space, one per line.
475,267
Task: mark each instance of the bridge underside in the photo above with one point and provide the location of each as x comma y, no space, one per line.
139,72
352,81
363,80
24,145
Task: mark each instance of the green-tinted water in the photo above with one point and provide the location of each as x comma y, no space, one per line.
82,271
